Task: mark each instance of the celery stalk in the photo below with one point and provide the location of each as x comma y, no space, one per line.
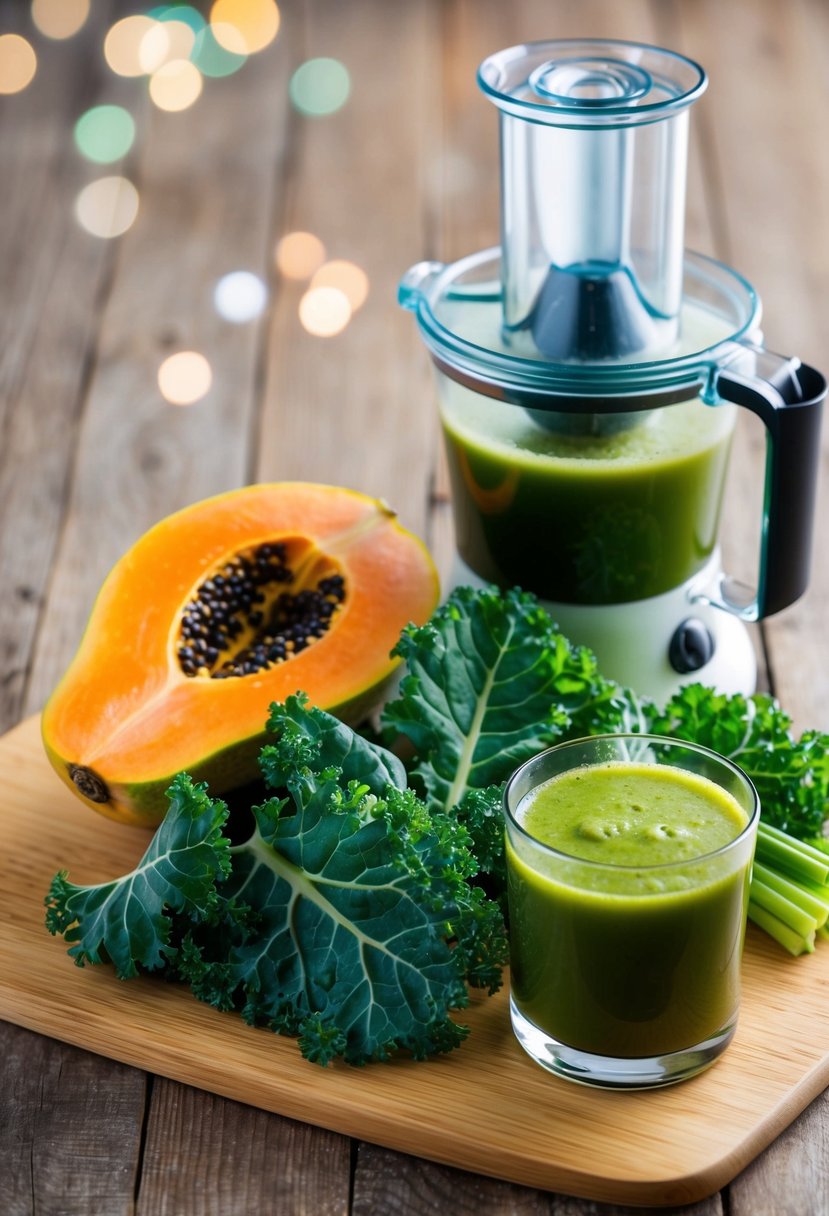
787,856
796,892
818,889
786,911
803,846
791,941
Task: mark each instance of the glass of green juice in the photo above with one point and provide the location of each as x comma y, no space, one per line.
628,864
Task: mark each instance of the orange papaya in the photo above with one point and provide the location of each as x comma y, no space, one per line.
217,611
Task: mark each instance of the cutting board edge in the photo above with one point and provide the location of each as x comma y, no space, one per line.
523,1172
667,1191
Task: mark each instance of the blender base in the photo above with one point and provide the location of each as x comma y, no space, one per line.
632,641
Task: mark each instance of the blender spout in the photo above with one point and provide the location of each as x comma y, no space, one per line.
415,283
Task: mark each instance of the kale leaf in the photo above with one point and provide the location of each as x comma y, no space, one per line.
346,919
364,930
128,922
311,736
490,682
791,775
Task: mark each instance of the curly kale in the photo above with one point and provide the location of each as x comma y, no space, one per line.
129,922
367,931
791,775
491,682
347,919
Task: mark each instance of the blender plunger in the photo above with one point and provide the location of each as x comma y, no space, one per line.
588,373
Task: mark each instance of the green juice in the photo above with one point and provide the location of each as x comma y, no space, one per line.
579,518
611,954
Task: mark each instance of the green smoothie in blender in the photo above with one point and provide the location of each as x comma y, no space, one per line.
598,518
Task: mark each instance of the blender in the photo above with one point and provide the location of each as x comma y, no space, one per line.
590,371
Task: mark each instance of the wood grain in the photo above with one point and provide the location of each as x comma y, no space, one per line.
70,1123
140,458
45,347
485,1108
403,1186
357,409
792,1176
207,1155
70,1142
399,1185
765,77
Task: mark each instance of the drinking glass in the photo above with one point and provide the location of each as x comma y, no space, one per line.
626,973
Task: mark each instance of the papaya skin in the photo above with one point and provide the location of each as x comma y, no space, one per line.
125,718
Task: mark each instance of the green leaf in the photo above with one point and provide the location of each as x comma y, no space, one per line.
127,922
347,919
490,683
791,776
309,736
481,813
364,928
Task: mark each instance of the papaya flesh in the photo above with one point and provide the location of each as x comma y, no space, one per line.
217,611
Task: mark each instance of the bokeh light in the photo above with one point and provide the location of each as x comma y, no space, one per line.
240,297
299,254
107,207
59,18
244,26
319,87
105,134
18,63
347,278
166,41
212,58
179,12
184,378
176,85
154,47
324,311
122,45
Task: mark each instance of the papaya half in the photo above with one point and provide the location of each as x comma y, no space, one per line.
217,611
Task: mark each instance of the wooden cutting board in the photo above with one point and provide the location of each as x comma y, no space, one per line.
485,1107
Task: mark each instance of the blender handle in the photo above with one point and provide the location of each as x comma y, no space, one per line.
789,400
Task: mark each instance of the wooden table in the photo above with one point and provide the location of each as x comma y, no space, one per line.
91,454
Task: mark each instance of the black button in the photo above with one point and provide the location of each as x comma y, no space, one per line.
692,646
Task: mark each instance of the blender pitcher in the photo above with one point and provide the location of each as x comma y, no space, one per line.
589,372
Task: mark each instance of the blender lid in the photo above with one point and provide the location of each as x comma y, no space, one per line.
590,82
459,310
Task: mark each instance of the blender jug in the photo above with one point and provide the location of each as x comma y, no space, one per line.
589,373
